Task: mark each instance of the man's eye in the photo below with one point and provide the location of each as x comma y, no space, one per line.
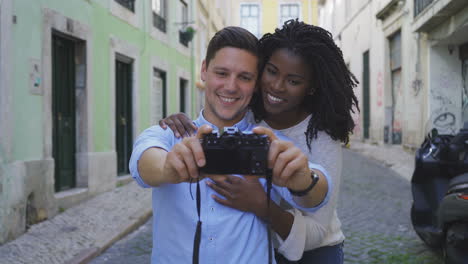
245,78
221,73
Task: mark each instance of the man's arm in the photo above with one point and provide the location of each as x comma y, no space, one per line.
151,166
156,166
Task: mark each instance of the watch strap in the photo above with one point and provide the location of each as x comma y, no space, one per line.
315,179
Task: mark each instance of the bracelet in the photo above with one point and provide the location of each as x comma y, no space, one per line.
315,179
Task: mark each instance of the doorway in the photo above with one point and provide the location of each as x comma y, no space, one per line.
63,112
123,105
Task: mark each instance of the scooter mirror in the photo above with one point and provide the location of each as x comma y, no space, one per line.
434,133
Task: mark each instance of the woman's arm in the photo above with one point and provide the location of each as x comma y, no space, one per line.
180,124
247,194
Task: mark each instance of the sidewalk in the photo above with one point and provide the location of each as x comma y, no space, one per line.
84,231
392,156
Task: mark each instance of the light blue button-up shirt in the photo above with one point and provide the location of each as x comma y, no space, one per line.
228,235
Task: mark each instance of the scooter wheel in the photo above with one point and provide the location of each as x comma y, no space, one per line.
456,244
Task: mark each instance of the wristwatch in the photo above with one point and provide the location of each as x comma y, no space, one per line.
304,192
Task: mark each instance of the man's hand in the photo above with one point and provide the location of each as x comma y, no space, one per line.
183,161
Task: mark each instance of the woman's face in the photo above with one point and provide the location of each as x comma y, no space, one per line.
284,84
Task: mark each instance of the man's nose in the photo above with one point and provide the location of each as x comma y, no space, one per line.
231,84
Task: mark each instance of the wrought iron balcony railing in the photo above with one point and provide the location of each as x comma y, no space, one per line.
129,4
159,22
184,39
420,5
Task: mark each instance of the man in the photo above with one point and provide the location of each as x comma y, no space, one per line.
166,163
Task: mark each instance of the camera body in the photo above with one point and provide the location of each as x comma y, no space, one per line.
235,152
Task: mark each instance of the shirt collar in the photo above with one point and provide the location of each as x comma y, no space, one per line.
242,125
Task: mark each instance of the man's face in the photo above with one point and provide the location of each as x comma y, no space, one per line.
230,82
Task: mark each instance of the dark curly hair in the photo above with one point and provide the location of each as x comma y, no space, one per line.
332,101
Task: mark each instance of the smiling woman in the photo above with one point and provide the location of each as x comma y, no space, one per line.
285,82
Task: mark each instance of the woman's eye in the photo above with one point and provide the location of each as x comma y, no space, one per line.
293,82
271,71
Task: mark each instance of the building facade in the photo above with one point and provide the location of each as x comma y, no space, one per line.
210,17
79,80
410,57
263,16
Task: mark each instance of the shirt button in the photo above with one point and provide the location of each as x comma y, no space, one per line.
212,209
211,239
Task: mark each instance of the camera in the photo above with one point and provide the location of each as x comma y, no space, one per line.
235,152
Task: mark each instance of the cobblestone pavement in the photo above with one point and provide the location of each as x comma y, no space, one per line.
374,209
133,249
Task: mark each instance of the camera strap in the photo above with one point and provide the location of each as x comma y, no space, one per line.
197,239
269,176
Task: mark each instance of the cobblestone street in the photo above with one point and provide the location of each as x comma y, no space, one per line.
374,210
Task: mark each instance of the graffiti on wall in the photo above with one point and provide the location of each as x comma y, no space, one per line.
465,90
444,117
416,85
380,83
357,125
397,117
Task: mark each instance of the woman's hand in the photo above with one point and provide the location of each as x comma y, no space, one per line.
244,194
180,124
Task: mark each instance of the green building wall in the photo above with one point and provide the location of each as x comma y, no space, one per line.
28,167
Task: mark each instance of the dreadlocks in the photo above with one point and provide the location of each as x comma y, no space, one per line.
332,99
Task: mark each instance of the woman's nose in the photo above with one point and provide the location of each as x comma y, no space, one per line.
277,85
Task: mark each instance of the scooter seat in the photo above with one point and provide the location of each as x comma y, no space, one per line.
457,183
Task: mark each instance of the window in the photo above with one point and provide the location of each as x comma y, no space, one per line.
159,14
129,4
420,5
250,17
158,96
287,12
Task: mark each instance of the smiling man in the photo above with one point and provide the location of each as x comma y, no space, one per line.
167,164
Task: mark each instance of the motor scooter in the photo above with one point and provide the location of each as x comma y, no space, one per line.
439,213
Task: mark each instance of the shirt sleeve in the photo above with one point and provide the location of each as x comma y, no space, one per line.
310,229
153,137
287,196
304,229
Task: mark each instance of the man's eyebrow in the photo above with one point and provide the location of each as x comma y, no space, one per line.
218,68
251,74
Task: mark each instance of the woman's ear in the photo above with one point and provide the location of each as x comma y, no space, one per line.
311,91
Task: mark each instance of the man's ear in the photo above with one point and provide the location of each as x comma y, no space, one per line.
203,71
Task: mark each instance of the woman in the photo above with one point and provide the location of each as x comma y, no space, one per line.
306,92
